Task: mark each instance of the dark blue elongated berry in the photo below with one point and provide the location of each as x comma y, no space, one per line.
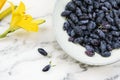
66,13
103,46
113,3
82,22
46,68
91,25
101,33
117,21
102,1
71,6
111,14
106,25
71,39
83,9
66,26
108,5
97,49
106,54
84,17
78,40
109,47
94,15
115,13
78,2
89,48
115,33
90,16
100,17
90,9
96,4
94,36
95,42
86,40
78,30
88,1
74,18
42,52
89,53
83,27
105,9
109,19
78,12
71,23
69,31
72,33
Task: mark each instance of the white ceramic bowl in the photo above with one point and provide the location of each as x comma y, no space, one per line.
74,50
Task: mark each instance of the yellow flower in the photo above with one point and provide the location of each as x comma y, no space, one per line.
22,20
2,2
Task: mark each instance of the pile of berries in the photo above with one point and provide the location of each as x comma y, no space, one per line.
94,24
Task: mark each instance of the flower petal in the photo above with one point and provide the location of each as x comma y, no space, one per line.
28,26
2,2
39,21
20,8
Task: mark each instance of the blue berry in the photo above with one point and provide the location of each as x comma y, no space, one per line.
65,13
78,40
115,33
96,4
78,12
78,30
95,42
91,25
88,1
94,36
113,3
66,26
108,5
103,46
71,39
83,27
74,18
42,52
102,1
90,8
89,53
72,33
83,22
89,48
101,33
106,54
71,6
105,9
109,19
71,23
109,47
46,68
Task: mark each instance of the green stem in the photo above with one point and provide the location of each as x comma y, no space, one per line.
9,30
5,33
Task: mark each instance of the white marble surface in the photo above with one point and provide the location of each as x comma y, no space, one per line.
19,59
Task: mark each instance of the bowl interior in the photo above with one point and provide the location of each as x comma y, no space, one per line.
74,50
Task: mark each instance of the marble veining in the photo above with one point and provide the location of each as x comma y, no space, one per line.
19,59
